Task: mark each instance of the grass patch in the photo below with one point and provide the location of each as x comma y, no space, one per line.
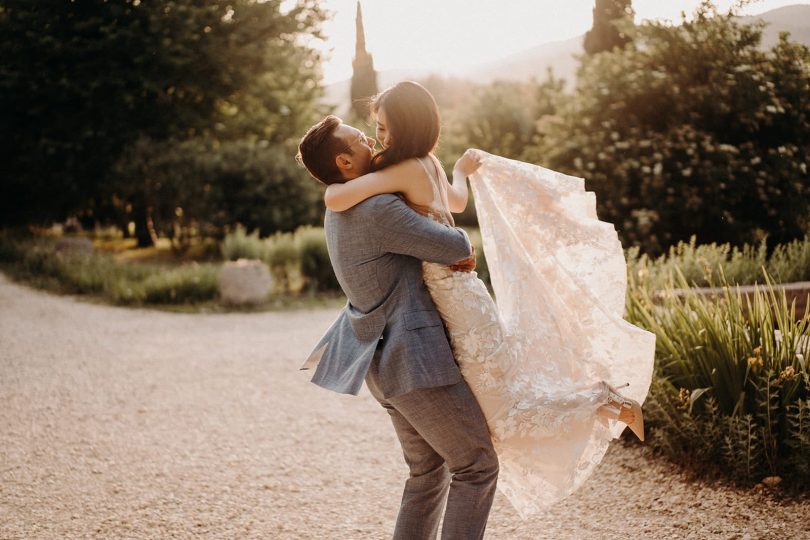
36,261
118,278
731,392
702,265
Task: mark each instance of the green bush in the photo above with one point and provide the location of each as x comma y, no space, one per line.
791,262
111,72
701,265
189,284
732,381
35,260
281,255
316,268
202,187
716,146
240,245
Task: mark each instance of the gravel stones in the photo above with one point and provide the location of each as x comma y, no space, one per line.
135,423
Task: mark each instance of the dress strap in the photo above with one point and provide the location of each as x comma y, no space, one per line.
436,194
439,202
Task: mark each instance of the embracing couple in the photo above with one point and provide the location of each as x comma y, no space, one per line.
515,393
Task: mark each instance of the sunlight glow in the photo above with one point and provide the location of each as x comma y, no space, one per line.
447,36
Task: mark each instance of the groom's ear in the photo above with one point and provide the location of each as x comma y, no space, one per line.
343,162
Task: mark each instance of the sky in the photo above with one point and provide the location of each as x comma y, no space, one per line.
447,36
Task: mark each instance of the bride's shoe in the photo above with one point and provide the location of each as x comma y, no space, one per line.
624,410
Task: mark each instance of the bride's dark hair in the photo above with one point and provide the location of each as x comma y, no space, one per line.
412,120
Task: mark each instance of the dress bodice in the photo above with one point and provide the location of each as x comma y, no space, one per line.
437,210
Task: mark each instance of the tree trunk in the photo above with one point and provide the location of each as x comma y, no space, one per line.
144,226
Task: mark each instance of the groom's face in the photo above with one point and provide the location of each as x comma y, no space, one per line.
358,162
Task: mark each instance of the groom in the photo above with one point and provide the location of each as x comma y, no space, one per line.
391,336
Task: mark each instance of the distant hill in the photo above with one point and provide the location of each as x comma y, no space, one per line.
793,19
560,56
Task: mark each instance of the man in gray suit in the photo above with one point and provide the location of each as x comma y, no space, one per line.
390,335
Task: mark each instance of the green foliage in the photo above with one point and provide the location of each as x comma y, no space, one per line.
82,81
300,260
282,258
731,370
195,188
240,245
791,261
701,265
316,267
364,78
498,119
798,429
188,284
605,33
504,118
715,146
99,274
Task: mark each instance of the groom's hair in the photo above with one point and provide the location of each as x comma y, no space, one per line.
318,149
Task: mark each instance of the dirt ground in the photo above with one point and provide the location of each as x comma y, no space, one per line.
133,423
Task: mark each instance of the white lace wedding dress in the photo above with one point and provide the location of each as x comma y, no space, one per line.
535,360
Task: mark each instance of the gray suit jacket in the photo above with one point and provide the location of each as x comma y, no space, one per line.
377,249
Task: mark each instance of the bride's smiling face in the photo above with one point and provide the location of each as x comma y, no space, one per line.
381,131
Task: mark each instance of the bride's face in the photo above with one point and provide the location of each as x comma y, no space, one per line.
383,136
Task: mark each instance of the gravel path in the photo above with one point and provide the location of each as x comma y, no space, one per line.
130,423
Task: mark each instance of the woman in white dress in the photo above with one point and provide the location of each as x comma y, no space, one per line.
539,360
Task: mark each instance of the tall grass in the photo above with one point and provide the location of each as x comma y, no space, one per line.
316,268
240,245
732,386
281,256
701,264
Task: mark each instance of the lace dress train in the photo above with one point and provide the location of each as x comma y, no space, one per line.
536,360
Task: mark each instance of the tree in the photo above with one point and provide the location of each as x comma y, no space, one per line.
499,120
81,81
202,188
605,34
364,78
715,146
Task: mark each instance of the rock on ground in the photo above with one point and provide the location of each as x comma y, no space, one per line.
244,282
132,423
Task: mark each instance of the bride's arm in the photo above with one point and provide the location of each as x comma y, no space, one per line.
458,193
393,179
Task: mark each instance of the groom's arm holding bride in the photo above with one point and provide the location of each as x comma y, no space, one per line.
403,231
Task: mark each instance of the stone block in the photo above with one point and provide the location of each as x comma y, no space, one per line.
244,282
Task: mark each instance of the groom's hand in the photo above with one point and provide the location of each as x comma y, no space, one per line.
464,265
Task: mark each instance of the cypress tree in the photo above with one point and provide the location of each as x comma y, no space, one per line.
604,35
364,78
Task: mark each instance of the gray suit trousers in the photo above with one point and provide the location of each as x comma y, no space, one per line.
448,448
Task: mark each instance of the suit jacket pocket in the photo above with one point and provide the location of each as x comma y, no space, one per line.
422,319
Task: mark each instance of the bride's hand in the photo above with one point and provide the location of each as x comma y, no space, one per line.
468,163
464,265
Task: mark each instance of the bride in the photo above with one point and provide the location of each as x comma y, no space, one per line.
539,360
